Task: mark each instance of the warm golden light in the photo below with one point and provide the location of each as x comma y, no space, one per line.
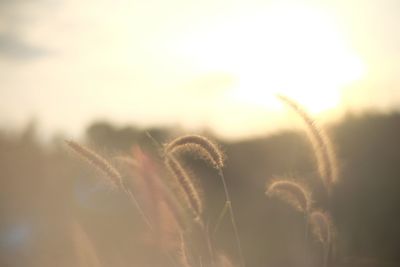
297,51
219,57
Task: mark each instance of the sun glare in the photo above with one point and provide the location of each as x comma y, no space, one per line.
297,51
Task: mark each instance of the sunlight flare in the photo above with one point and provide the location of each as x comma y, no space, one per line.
297,51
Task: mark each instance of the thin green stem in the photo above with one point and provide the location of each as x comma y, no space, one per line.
156,143
208,241
233,221
139,208
221,217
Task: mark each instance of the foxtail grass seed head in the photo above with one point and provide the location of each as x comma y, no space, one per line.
188,188
98,162
199,145
293,193
321,226
322,145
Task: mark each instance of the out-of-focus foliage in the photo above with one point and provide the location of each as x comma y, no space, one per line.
55,211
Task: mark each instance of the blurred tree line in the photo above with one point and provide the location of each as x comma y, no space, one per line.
55,212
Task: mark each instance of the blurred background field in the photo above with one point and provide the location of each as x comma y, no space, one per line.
53,205
105,73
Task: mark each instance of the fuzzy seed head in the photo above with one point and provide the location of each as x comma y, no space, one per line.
321,143
98,162
199,145
184,181
293,193
321,226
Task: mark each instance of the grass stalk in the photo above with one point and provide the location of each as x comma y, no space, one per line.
233,220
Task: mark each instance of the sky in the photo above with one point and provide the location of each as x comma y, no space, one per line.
211,64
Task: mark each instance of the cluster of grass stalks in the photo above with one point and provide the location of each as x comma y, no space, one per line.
299,196
170,200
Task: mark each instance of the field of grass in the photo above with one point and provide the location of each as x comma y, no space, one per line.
130,197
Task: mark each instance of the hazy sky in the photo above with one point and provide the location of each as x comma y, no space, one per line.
209,63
